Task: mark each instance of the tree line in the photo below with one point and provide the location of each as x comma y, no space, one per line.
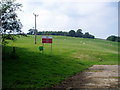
71,33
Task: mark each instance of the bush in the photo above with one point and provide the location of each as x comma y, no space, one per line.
114,38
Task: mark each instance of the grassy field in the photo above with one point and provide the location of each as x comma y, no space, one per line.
70,55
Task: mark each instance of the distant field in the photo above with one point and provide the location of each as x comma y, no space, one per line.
69,56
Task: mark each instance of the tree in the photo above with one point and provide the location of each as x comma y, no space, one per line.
118,39
91,36
87,35
72,33
10,24
113,38
32,31
79,33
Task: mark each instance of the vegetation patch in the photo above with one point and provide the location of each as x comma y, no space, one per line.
34,69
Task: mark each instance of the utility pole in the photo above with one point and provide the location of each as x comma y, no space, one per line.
35,27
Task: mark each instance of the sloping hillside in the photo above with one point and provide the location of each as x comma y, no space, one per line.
69,56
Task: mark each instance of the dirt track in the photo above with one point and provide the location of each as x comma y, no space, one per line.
97,76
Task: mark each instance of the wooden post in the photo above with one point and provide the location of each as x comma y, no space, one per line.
43,49
35,27
51,48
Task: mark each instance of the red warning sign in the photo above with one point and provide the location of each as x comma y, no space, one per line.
46,39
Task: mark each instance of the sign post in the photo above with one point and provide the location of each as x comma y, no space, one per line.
51,48
47,39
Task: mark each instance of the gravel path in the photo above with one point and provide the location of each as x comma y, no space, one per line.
97,76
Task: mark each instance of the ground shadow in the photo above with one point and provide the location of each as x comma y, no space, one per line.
27,69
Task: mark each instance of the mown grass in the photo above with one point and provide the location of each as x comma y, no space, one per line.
32,69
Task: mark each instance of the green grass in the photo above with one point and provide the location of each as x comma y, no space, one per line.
70,55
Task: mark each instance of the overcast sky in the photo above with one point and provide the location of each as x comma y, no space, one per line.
98,17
